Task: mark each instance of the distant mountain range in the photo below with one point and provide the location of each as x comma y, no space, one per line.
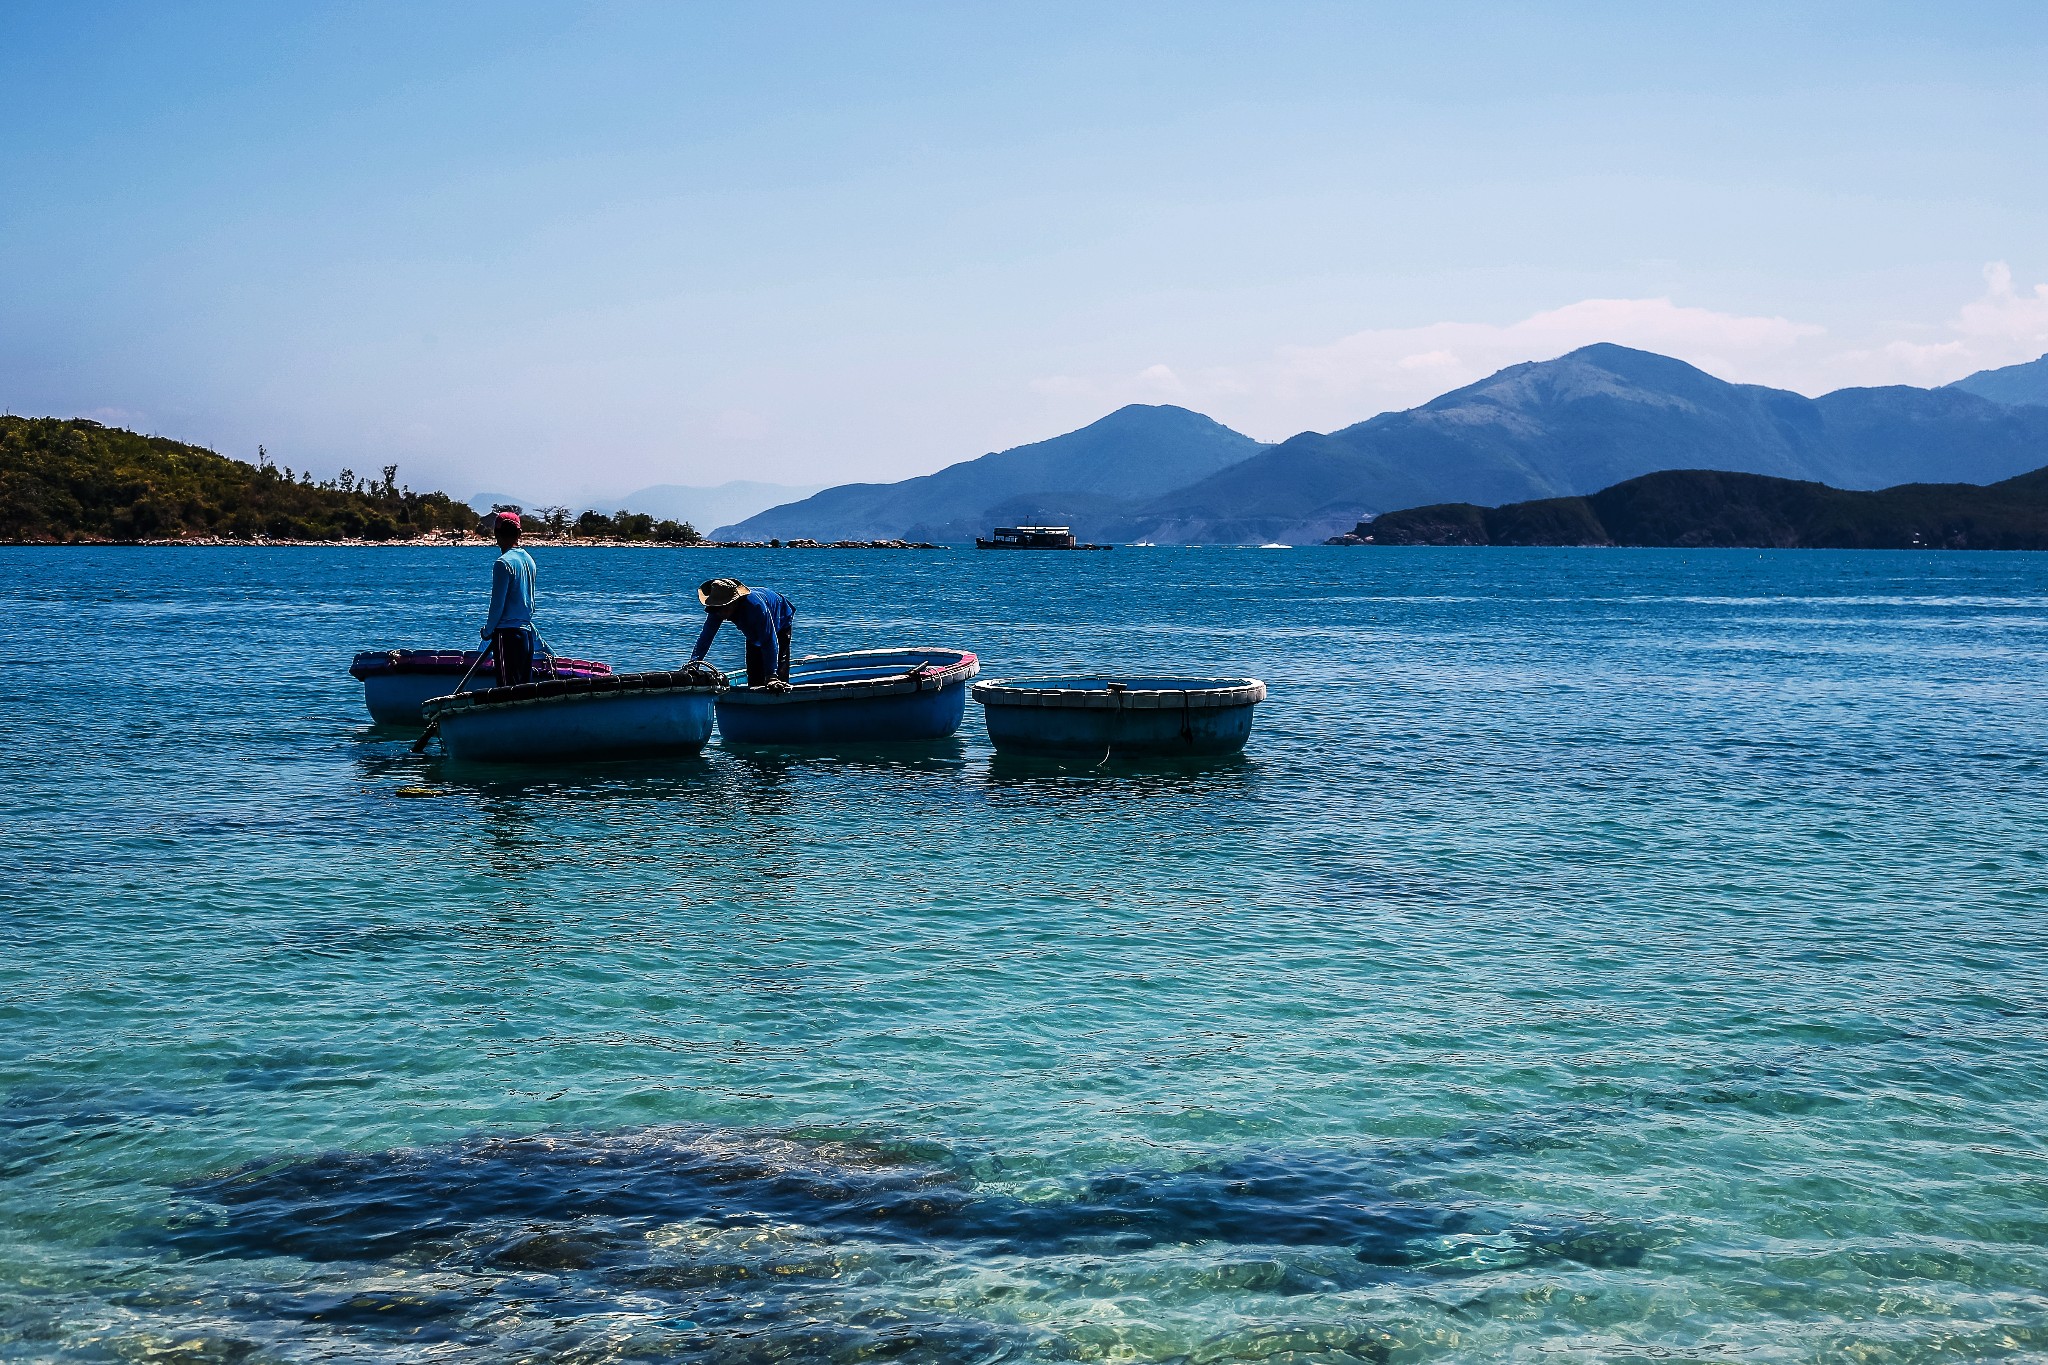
702,507
2018,385
1570,426
1700,508
708,507
1085,478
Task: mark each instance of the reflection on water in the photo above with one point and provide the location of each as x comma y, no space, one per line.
932,755
1133,773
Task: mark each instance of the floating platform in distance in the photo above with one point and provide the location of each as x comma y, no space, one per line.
871,696
397,683
1122,715
1034,538
620,715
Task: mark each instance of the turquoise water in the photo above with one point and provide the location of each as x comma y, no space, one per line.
1618,955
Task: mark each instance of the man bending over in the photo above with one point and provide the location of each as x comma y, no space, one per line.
764,617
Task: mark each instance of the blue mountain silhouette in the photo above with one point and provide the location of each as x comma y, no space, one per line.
1574,425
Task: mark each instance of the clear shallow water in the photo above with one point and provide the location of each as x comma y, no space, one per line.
1626,955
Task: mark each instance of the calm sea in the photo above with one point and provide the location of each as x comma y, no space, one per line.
1597,954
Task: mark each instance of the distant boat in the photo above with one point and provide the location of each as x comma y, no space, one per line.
1034,538
1275,545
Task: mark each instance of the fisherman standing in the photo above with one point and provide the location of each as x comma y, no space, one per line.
764,617
510,627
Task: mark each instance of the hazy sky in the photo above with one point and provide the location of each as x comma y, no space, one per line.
568,250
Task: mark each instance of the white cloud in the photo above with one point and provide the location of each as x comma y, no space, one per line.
1413,364
119,417
2004,317
2000,327
1148,385
1162,379
1070,386
1346,380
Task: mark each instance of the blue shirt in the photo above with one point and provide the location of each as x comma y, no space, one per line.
761,615
511,591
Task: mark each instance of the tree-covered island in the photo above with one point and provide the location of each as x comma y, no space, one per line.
74,481
71,480
1702,508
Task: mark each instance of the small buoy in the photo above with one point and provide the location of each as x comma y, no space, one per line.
417,791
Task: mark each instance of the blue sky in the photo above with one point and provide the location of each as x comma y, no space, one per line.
573,249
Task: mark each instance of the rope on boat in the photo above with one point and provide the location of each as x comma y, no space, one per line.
1115,689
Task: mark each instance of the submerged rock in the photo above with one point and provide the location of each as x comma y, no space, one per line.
571,1199
698,1244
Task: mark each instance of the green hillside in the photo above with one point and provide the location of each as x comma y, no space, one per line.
1700,508
68,481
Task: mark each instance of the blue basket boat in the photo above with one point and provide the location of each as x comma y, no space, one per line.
398,682
872,696
1134,715
619,715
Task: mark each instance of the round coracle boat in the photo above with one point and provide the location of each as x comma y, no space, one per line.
870,696
616,715
1124,715
398,682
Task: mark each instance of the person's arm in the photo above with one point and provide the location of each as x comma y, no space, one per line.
711,624
501,593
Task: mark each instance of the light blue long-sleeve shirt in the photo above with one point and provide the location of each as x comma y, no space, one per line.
511,591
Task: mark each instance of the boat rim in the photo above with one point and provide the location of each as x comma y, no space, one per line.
555,691
920,677
1195,693
417,663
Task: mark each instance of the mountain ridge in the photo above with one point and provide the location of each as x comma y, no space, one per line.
1567,426
2024,385
1138,451
1583,421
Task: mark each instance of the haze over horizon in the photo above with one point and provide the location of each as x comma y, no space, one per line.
572,251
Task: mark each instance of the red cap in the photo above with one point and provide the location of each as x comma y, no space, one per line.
507,518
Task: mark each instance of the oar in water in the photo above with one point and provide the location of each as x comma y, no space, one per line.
419,746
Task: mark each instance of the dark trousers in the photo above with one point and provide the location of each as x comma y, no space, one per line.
514,651
757,664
